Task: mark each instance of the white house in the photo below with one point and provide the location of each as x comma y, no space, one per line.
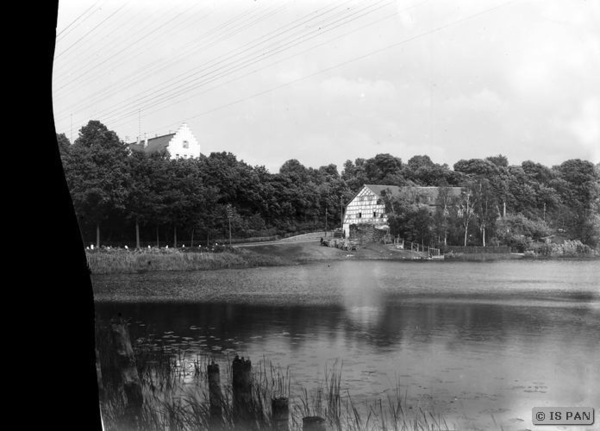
368,206
181,144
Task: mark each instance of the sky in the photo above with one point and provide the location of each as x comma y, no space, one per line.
326,81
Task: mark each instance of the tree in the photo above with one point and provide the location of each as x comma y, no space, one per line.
97,175
484,206
64,145
354,174
579,188
423,171
493,169
384,169
295,170
407,218
467,203
140,197
499,160
444,205
184,196
518,231
476,167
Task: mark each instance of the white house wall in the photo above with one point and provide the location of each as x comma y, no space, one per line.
184,144
365,208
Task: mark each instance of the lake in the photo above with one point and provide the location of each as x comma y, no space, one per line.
481,343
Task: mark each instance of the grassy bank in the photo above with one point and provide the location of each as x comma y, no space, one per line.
107,261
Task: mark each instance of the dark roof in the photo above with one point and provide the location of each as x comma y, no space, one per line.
431,193
377,189
158,143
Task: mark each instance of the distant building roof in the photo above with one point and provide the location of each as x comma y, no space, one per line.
430,193
377,189
156,144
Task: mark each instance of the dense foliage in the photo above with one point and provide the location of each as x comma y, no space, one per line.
124,197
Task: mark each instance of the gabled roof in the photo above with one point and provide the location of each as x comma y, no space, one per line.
158,143
377,189
430,193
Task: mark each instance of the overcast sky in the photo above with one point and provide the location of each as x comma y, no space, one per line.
327,81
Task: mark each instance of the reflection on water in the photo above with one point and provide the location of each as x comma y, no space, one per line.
478,342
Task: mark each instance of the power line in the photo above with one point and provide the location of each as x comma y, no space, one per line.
89,32
63,33
95,65
221,59
148,70
352,60
157,35
371,53
248,60
221,38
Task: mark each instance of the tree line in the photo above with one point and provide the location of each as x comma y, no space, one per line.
125,197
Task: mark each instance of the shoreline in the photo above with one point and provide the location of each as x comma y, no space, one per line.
118,261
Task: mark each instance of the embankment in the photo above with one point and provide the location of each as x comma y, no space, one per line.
240,256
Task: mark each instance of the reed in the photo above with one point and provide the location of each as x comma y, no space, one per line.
176,398
109,261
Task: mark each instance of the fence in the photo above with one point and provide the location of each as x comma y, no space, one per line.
416,247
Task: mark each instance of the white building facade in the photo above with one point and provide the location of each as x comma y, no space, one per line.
180,145
183,144
367,207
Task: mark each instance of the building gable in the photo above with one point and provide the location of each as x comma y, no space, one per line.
184,144
181,144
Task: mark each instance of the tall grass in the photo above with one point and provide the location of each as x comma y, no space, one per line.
176,397
107,261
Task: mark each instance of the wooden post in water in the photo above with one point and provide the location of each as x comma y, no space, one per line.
125,362
215,396
242,392
281,413
313,423
99,372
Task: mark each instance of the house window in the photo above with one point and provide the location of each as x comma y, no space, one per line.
374,214
186,144
359,215
381,215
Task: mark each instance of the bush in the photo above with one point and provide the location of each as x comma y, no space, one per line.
574,248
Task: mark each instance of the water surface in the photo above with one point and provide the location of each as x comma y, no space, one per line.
480,343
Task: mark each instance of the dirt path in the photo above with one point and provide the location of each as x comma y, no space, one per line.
310,250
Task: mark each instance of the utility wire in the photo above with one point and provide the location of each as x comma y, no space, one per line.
140,51
94,66
247,60
352,60
64,32
64,51
135,78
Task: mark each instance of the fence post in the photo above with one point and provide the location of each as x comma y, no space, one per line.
281,412
313,423
215,395
125,362
242,391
